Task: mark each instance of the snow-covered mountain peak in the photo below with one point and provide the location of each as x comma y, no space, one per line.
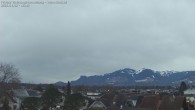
166,73
138,71
143,70
128,70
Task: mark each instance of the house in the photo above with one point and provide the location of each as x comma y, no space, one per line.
151,102
111,101
119,102
94,95
20,94
133,101
189,92
190,97
191,101
6,98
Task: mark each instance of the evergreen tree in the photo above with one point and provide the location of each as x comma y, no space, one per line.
182,88
50,97
68,88
74,102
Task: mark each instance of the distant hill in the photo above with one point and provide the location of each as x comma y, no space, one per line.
60,83
144,77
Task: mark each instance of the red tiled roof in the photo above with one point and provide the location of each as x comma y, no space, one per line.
150,101
172,103
162,102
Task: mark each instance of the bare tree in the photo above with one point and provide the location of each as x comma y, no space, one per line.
8,74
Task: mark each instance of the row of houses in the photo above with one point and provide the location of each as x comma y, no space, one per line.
113,100
144,100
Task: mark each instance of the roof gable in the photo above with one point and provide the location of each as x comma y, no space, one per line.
20,93
97,104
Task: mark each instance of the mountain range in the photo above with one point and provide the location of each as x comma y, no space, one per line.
131,77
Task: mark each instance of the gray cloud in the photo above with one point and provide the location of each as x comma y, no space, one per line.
61,42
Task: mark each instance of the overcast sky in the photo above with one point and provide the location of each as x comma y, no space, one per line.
50,43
